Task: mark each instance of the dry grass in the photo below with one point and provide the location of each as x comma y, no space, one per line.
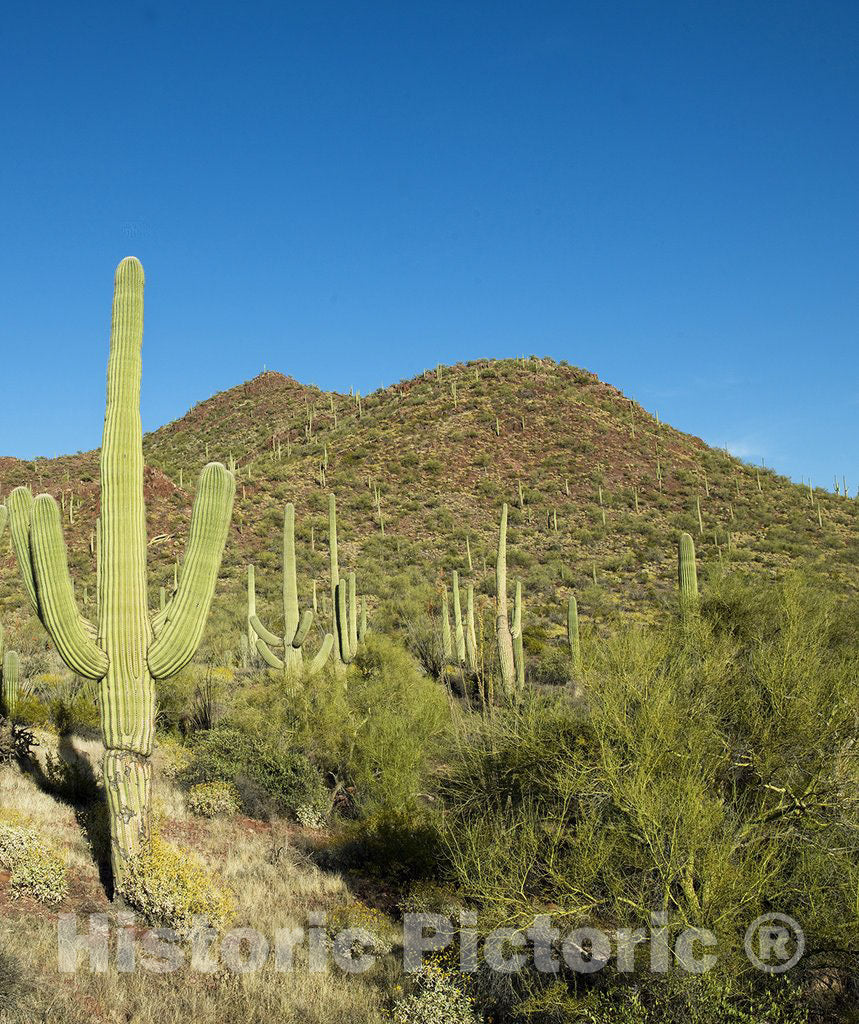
276,886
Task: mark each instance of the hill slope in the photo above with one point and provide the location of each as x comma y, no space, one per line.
446,449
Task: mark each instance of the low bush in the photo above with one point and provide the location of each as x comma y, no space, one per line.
438,999
171,887
269,780
36,869
213,799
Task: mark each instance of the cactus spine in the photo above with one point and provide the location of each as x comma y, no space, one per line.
687,576
296,625
502,624
129,650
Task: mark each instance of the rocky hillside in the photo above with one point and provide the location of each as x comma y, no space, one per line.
598,490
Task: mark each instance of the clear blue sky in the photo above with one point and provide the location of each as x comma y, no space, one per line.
662,192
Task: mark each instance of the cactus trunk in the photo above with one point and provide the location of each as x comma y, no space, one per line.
502,623
687,577
9,689
573,635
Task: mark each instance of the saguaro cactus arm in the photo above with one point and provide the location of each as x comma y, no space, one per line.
20,507
344,626
518,646
56,600
304,624
268,656
459,633
321,659
265,634
210,521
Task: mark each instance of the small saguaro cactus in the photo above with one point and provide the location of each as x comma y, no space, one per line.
518,648
573,635
130,648
458,629
687,576
446,641
344,600
502,622
296,626
9,689
470,633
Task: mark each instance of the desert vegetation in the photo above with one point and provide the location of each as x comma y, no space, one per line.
582,676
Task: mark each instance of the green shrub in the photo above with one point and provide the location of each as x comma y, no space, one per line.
401,847
170,887
269,780
677,999
36,870
211,799
717,779
439,999
399,718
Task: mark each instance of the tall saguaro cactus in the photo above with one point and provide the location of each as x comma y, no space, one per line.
296,627
130,648
502,622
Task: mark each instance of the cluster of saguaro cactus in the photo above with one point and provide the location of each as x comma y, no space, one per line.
349,630
129,648
460,649
296,625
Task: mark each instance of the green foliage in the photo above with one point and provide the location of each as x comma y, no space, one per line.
439,999
386,730
269,780
676,999
170,887
37,870
213,799
716,783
